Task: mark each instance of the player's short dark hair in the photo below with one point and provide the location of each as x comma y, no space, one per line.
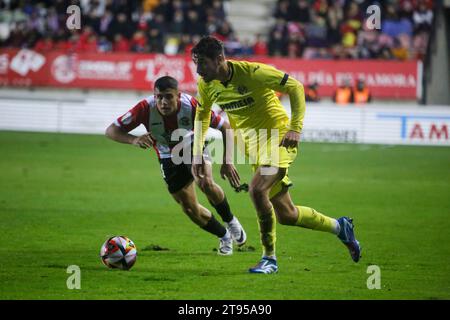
166,82
208,47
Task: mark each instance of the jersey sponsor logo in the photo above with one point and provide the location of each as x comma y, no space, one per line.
126,119
237,104
242,89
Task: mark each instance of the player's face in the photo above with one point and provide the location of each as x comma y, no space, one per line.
167,101
208,68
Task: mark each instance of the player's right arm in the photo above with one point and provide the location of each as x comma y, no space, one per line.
228,170
119,129
201,124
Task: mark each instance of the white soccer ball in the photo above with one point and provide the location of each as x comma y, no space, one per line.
118,252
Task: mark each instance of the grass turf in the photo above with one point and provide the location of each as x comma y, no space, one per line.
62,195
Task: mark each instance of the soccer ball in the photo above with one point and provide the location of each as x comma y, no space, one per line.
118,252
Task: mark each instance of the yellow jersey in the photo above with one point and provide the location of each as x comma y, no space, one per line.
249,100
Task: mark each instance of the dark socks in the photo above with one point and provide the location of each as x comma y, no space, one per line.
213,226
223,209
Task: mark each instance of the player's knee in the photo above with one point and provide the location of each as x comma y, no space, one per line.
189,209
286,214
206,185
285,219
257,192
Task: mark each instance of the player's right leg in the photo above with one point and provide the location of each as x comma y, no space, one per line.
218,200
180,184
260,187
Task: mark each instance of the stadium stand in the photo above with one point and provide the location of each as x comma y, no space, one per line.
323,29
309,29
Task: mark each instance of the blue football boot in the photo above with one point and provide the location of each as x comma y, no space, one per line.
266,265
347,236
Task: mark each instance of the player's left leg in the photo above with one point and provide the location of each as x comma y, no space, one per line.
218,200
289,214
187,199
201,216
180,184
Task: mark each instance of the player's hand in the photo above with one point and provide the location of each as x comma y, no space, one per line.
229,171
290,139
145,141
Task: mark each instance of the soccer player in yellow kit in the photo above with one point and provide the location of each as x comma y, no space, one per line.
246,92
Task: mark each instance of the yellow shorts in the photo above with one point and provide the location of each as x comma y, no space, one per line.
285,182
284,160
265,150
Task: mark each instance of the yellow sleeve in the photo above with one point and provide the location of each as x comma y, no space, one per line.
202,119
279,81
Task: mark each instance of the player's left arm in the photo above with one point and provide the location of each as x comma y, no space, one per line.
296,93
279,81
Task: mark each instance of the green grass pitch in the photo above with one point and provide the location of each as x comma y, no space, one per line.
62,195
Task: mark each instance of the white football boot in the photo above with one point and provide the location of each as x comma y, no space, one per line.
237,232
225,245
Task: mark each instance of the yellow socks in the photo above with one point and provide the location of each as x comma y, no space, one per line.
267,230
307,218
311,219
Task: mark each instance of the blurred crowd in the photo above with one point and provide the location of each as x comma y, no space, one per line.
325,29
311,29
156,26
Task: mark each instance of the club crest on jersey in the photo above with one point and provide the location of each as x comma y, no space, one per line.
242,89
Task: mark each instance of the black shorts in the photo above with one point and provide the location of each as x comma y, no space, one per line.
176,176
